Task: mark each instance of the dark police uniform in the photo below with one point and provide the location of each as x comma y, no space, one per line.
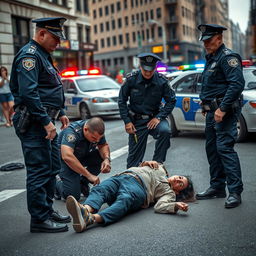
145,102
72,183
222,86
37,90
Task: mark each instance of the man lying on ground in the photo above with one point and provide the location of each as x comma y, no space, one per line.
129,191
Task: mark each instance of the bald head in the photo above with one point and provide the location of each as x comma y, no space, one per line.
96,124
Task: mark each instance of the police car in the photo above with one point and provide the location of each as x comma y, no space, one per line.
88,94
187,115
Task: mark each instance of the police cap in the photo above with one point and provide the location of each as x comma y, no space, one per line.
54,25
210,30
148,61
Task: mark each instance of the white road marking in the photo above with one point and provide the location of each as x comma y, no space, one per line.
8,193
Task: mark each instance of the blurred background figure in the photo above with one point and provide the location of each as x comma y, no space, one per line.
120,76
6,98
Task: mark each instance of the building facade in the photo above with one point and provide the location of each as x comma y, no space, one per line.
16,29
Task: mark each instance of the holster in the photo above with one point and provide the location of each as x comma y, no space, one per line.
24,120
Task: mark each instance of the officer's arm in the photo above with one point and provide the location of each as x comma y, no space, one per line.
28,69
67,155
170,101
124,93
232,69
104,151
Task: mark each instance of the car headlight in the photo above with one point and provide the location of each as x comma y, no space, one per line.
99,100
253,104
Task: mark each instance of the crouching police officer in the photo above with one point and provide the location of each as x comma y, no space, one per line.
222,86
145,113
39,100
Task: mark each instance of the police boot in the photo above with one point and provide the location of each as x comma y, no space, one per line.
55,216
80,214
233,200
47,226
211,193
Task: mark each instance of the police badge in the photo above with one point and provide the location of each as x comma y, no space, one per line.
233,62
186,104
71,137
28,63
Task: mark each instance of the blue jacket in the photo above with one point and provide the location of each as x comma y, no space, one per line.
35,82
222,77
145,97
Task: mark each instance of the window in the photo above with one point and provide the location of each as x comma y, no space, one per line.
95,29
152,14
142,17
108,42
121,60
78,5
134,36
114,40
87,34
118,6
86,7
106,10
133,19
113,24
66,31
147,33
100,12
153,33
120,39
158,13
102,42
101,27
107,26
127,38
69,86
143,35
132,3
21,35
125,4
80,33
160,32
146,15
126,21
186,85
119,21
94,14
112,8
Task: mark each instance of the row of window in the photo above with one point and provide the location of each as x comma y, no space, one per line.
187,13
139,16
133,4
148,34
188,31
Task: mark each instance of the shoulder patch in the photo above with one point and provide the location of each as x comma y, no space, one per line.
233,62
71,137
28,63
132,74
31,49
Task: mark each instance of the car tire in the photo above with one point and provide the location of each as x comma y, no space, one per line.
84,112
241,129
174,130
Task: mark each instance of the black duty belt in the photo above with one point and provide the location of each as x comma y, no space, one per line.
138,116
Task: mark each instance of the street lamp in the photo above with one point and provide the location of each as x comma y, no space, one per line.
152,22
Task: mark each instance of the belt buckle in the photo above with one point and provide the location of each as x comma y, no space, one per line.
144,117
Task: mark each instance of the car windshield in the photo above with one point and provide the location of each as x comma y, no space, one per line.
250,79
96,84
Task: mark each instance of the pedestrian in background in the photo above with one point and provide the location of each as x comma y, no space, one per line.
145,114
39,100
6,98
84,155
129,191
222,86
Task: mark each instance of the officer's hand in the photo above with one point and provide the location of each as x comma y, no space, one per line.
95,180
65,122
181,206
151,164
153,123
105,166
218,115
51,131
130,128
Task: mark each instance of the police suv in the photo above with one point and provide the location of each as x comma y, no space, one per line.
187,115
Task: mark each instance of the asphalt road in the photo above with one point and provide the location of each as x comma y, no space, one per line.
206,229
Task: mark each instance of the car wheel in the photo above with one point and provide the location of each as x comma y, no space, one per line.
174,130
241,129
84,112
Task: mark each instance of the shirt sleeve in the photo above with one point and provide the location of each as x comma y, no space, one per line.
170,101
166,203
232,69
69,138
122,102
28,69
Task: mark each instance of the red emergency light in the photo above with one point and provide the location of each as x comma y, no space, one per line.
69,72
94,71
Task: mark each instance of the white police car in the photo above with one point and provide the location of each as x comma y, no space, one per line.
187,114
90,95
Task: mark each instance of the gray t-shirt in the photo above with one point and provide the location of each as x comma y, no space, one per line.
5,88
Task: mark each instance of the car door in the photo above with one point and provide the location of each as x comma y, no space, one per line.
70,93
187,102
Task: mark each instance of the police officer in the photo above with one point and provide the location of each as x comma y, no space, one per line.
84,154
39,100
222,86
145,114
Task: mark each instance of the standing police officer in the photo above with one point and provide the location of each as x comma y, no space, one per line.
39,100
222,86
145,114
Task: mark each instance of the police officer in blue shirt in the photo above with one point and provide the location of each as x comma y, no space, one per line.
145,113
84,154
39,100
222,86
